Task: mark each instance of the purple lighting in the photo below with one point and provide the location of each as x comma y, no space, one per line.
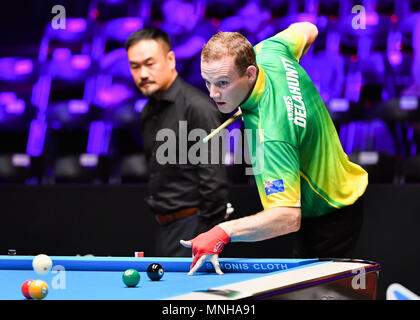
113,95
76,25
7,97
71,76
16,107
408,103
372,18
11,103
23,67
121,28
96,132
36,138
21,160
395,58
88,160
14,68
132,24
114,2
60,54
307,17
339,105
78,106
139,105
353,86
80,61
394,44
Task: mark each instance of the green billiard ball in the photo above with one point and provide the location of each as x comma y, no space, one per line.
131,277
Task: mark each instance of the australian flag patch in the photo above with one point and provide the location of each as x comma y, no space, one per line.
274,186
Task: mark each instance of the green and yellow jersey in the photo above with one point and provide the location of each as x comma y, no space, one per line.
298,157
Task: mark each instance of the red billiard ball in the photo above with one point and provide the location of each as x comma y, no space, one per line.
25,289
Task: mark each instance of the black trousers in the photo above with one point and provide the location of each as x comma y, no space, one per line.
168,236
333,235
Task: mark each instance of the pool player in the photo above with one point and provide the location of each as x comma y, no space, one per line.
306,182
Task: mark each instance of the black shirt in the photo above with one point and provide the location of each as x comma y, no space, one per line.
181,183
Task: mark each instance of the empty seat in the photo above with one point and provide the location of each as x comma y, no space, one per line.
133,168
21,168
80,168
411,169
381,167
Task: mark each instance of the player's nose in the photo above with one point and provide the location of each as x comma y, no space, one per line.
214,93
143,73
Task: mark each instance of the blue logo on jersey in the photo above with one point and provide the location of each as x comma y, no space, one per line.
274,187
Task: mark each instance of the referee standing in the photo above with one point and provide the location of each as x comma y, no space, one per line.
186,199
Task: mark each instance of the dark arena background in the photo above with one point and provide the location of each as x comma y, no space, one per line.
72,170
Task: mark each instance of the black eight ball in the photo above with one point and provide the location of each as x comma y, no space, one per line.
155,271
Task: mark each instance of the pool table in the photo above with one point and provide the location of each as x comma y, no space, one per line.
100,278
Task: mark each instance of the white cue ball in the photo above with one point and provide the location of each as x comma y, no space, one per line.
42,264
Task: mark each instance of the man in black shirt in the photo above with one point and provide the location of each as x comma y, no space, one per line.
187,198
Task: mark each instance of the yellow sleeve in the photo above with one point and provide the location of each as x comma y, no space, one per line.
297,41
299,37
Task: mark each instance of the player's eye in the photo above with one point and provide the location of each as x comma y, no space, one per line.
222,84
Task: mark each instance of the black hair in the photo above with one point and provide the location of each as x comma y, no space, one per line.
148,33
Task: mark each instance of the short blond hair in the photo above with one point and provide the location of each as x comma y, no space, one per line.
231,44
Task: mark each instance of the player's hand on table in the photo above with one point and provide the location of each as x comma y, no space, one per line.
206,247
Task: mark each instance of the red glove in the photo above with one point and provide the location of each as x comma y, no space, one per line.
210,242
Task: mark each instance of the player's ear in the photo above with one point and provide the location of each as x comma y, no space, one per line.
171,59
252,73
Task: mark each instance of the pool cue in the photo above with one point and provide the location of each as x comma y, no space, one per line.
223,125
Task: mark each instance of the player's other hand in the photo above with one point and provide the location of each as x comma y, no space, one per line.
206,247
